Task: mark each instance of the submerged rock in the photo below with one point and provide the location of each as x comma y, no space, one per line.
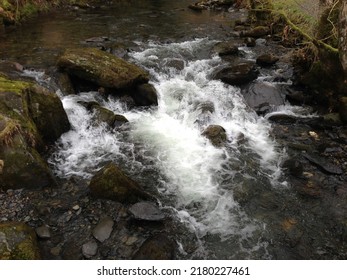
18,242
102,68
216,134
238,74
146,211
111,183
158,247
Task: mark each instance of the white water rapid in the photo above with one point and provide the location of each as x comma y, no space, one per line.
165,144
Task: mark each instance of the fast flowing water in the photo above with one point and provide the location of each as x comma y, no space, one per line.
163,148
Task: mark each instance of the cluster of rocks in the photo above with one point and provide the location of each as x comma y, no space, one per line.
32,118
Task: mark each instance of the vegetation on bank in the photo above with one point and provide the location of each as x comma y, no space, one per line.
14,11
313,28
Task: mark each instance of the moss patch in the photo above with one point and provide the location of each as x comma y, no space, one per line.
18,242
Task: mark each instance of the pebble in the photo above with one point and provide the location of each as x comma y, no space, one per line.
131,240
89,249
55,251
104,229
43,232
76,207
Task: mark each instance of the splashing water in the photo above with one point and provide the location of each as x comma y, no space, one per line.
196,178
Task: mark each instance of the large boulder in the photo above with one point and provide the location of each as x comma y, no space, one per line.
48,114
238,74
102,68
112,183
30,118
226,48
18,242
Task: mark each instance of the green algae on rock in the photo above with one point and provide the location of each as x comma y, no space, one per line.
102,68
18,242
111,183
30,118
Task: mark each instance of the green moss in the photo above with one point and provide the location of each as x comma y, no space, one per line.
18,242
7,85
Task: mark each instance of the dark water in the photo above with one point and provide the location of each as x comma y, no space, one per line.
39,41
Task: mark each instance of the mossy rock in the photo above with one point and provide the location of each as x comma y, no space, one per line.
216,134
18,242
30,118
102,68
112,183
39,112
23,167
48,114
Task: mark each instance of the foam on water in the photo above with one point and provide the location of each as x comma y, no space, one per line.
197,176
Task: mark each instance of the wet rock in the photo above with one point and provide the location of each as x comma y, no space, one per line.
158,247
323,164
261,93
18,242
119,120
23,167
43,232
178,64
343,109
104,229
238,74
145,95
48,114
89,249
216,134
30,118
266,60
146,211
64,83
257,32
250,42
282,118
294,167
102,69
226,48
103,115
111,183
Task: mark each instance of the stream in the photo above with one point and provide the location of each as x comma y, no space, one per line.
230,202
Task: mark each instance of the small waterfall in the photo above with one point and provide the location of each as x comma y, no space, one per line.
194,178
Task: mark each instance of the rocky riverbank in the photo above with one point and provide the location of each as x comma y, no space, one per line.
104,218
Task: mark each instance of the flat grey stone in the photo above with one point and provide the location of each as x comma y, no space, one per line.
43,232
89,249
146,211
104,229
